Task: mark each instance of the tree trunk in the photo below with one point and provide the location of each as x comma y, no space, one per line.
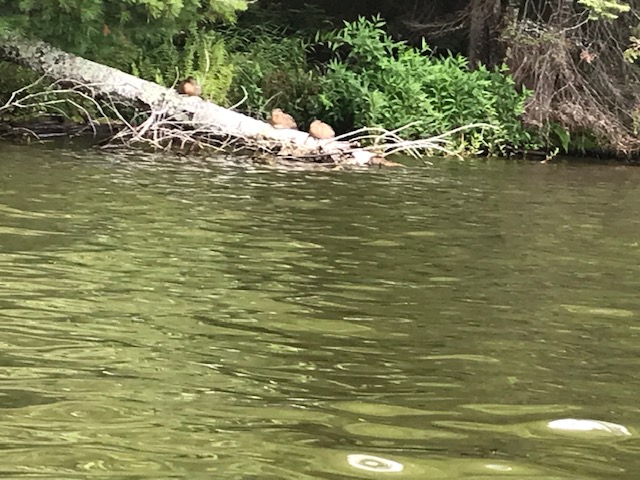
483,33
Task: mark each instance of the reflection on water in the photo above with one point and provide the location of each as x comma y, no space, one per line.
171,318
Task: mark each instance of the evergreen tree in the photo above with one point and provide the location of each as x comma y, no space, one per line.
78,25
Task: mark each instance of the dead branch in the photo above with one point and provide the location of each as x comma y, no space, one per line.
578,77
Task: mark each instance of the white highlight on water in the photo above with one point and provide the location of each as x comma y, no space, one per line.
578,425
372,463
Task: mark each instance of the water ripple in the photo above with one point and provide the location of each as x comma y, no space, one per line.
184,318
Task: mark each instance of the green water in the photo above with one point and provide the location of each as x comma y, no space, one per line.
172,318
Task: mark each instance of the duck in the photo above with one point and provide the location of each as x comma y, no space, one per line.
320,130
189,86
279,119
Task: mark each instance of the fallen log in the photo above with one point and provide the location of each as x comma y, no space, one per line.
187,120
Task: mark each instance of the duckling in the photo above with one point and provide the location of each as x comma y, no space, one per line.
279,119
189,86
321,130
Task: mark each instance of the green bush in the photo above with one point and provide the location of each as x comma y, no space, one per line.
200,54
272,71
376,81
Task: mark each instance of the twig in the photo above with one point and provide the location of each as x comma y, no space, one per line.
244,99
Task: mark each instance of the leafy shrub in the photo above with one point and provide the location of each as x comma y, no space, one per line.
271,70
376,81
199,54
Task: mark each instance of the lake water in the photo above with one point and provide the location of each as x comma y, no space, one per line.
163,317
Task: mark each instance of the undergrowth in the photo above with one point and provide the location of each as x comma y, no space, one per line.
366,79
376,81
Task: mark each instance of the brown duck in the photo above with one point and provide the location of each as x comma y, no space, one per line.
189,86
321,130
279,119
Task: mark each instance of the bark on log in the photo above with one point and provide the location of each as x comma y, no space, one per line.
110,82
